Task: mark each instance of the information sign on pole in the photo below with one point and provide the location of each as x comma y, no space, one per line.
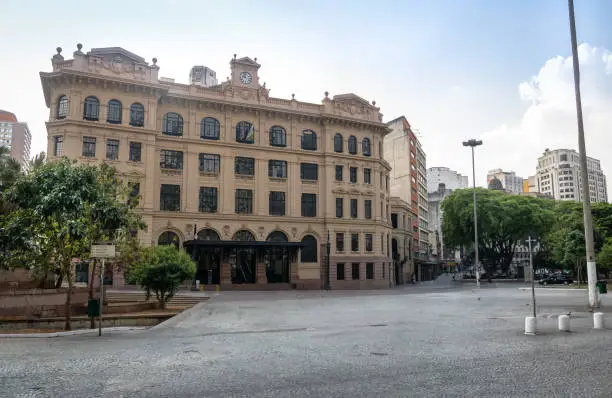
102,251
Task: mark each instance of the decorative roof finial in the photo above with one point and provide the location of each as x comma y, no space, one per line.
154,61
59,50
79,46
234,56
264,85
327,94
292,96
374,103
255,59
227,78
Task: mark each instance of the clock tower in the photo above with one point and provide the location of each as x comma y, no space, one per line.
244,72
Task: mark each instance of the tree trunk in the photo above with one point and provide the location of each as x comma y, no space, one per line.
68,315
58,282
92,278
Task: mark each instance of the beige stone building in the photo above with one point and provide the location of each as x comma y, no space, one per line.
401,241
254,187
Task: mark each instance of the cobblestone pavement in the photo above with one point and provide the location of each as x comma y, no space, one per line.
410,342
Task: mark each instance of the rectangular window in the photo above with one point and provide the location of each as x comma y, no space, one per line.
171,159
309,171
355,242
354,208
367,204
244,201
353,174
244,166
208,199
277,203
355,271
387,182
368,242
135,151
209,163
369,270
277,168
340,271
394,220
58,145
367,176
170,197
112,149
309,205
134,188
339,241
339,170
383,270
89,147
339,207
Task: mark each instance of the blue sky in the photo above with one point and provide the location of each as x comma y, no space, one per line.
452,67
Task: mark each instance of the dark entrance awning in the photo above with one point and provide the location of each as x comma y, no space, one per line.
238,243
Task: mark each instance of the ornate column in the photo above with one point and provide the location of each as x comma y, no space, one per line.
260,267
225,273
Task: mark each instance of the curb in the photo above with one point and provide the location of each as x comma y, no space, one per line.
71,333
558,289
178,317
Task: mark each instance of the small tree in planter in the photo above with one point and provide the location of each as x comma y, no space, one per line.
161,270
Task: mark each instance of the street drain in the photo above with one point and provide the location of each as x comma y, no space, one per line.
379,354
377,325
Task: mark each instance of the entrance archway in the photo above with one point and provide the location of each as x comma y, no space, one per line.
243,260
277,259
168,238
209,259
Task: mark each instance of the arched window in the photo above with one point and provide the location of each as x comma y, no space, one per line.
208,234
62,107
278,136
91,108
277,236
244,236
309,140
114,112
172,124
137,115
245,133
352,145
168,238
366,148
338,144
209,128
309,251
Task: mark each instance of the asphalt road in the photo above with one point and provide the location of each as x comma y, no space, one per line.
411,342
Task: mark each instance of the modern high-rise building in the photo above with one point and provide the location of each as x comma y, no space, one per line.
558,175
254,187
16,136
510,182
443,175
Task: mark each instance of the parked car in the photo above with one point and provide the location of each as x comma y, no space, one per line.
556,279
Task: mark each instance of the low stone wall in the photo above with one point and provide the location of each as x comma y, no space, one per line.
37,303
82,322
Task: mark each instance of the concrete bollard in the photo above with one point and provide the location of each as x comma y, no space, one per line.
598,320
530,325
564,323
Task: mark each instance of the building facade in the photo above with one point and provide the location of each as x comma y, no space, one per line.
558,176
443,175
510,182
16,136
435,219
401,241
203,76
256,188
424,230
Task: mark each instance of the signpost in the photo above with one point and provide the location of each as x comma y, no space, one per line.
102,252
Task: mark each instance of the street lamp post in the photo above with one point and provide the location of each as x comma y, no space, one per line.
584,177
328,263
474,143
533,301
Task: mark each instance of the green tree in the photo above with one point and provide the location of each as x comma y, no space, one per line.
604,258
63,208
161,270
503,221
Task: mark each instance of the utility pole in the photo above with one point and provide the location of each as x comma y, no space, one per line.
533,301
474,143
584,176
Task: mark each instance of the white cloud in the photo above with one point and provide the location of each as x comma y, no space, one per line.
550,118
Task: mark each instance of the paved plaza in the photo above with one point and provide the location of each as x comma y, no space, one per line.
415,341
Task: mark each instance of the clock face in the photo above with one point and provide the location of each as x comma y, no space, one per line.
245,77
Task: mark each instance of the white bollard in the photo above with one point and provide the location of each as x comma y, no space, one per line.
598,320
530,325
564,323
